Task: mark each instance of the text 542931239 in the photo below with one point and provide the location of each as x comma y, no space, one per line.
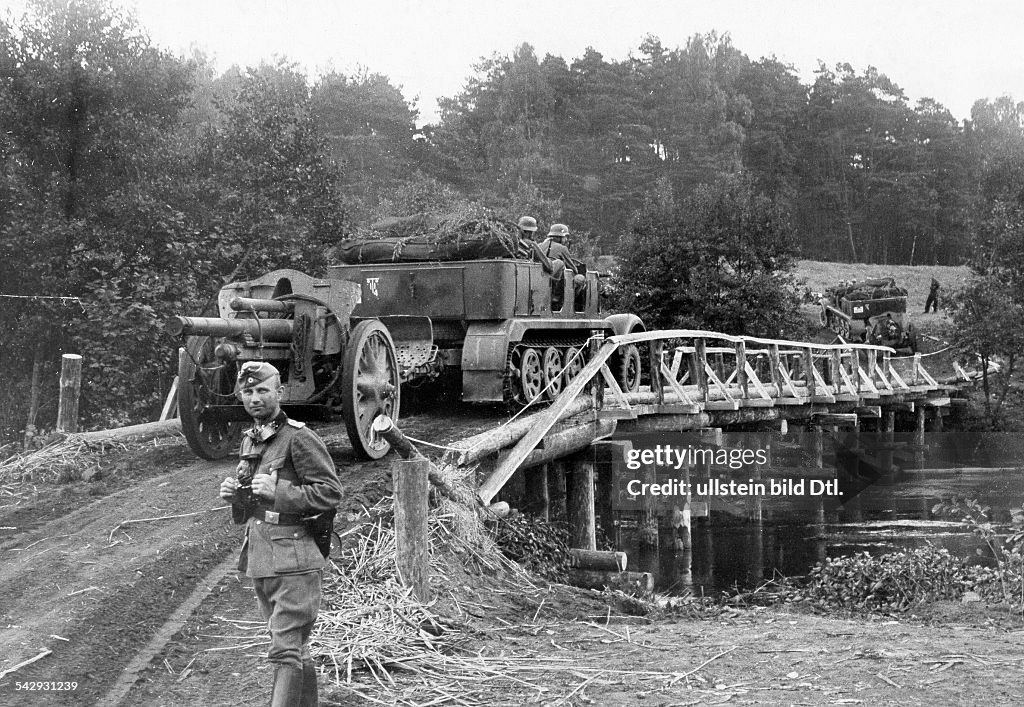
45,685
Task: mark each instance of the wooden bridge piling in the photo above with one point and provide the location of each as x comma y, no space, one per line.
580,506
535,492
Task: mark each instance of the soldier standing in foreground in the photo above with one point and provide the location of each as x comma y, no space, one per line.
286,492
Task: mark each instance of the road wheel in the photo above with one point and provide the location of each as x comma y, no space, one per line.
531,375
626,368
844,329
370,386
551,364
572,364
203,380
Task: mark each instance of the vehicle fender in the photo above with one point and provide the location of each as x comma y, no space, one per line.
624,323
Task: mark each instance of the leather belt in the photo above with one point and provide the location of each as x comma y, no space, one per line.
275,518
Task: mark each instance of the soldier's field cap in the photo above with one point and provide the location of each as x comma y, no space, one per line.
253,372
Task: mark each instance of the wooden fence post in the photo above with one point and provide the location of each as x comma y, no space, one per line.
411,536
70,387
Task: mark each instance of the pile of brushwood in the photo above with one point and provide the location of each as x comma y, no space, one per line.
540,547
893,582
900,581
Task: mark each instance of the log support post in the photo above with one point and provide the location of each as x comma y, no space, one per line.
836,368
885,457
741,369
536,501
775,363
70,387
556,490
410,478
609,457
657,349
648,511
701,368
808,358
919,419
579,487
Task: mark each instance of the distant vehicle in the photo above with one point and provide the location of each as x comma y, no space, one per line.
872,311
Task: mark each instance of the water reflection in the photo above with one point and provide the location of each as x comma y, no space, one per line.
889,485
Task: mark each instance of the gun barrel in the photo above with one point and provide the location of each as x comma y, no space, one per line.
245,304
270,330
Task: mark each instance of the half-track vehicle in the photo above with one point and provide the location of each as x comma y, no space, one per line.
345,343
872,311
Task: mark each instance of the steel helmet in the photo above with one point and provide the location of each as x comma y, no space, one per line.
527,223
559,230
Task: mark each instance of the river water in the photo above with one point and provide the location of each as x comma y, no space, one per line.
786,514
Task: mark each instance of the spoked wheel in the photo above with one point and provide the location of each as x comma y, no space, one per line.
551,363
626,368
370,386
572,364
203,381
844,329
531,375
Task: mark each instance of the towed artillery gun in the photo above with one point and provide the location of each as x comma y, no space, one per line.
873,311
345,343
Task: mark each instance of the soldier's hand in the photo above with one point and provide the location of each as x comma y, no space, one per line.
265,485
227,489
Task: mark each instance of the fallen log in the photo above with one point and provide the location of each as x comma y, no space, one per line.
628,582
140,433
598,560
487,443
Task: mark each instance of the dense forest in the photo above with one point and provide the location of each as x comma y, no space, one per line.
135,182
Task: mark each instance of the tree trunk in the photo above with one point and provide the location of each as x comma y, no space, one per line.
33,405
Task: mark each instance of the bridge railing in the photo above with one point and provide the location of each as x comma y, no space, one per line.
693,371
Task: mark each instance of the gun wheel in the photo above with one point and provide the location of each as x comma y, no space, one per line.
370,386
205,381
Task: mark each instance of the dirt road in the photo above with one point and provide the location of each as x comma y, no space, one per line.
150,613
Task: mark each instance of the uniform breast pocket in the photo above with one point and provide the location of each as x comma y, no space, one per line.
293,549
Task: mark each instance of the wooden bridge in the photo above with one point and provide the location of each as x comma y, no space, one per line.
701,379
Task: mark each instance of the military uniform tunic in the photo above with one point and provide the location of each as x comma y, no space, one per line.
282,557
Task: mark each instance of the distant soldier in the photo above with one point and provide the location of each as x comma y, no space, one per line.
933,297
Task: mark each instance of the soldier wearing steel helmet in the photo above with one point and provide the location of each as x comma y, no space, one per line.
528,249
554,247
286,487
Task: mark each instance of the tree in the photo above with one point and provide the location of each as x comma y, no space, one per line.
718,260
369,128
89,108
987,314
271,196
